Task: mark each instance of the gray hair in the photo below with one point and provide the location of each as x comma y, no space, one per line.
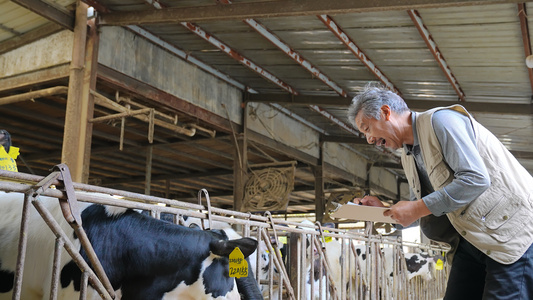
370,101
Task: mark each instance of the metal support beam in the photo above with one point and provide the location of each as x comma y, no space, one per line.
273,9
44,9
297,57
499,108
237,56
318,171
148,170
524,28
328,21
432,46
76,115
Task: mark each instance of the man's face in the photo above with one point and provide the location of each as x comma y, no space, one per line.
382,132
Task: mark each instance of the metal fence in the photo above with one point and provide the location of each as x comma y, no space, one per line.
316,263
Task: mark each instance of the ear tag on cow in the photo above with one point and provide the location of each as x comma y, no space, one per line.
439,265
238,266
282,239
327,239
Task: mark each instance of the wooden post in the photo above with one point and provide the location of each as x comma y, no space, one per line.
78,131
240,163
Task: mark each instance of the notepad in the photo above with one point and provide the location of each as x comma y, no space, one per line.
362,213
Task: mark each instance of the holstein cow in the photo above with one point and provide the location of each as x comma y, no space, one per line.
418,264
143,257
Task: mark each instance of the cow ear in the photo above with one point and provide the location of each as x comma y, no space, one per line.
224,248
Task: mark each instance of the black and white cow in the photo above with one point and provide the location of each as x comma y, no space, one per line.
418,264
144,258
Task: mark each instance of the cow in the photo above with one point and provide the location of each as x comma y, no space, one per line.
417,264
144,258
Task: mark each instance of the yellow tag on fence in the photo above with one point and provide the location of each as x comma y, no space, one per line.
7,160
439,265
238,266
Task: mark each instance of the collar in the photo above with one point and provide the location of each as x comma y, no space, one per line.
414,148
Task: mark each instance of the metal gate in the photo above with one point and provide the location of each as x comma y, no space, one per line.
316,263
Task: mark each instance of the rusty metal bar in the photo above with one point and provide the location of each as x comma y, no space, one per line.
432,46
95,262
148,170
281,268
101,195
56,270
187,57
237,56
84,284
23,243
337,30
273,9
108,103
524,28
173,119
70,248
262,30
121,115
57,90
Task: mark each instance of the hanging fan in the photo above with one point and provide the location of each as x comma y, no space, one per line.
268,189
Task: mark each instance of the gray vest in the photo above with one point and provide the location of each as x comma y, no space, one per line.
500,221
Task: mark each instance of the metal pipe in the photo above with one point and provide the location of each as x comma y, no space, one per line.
23,243
333,27
121,115
57,90
108,103
56,270
262,30
71,249
237,56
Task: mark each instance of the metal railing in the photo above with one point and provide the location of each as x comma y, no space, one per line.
308,245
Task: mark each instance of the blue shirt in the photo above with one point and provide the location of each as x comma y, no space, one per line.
457,139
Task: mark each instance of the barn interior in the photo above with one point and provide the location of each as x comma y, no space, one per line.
248,99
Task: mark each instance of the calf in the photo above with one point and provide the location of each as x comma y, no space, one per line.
143,257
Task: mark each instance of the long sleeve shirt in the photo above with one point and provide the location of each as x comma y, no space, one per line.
458,142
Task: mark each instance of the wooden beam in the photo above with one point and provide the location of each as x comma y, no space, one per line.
272,9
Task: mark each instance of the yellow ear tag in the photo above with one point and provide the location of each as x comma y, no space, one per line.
282,239
439,265
238,267
327,239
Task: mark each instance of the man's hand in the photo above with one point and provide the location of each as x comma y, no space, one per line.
369,201
406,212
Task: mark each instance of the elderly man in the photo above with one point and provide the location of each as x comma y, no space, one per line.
466,188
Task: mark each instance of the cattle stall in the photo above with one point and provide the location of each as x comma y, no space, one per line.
293,260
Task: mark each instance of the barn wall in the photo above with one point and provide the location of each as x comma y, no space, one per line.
384,181
345,159
134,56
276,125
51,51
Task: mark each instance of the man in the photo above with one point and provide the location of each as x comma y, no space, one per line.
457,168
8,153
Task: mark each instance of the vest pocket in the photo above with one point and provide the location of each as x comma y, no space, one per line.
440,174
503,221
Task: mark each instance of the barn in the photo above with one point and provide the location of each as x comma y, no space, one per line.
236,112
